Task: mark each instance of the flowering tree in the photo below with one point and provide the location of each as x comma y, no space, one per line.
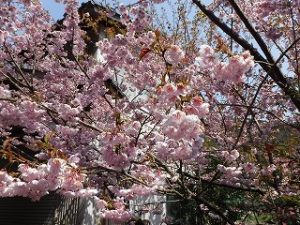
151,117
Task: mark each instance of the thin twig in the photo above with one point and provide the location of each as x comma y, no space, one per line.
19,69
248,111
89,126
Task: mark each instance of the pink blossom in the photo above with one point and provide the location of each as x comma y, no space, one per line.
235,69
29,174
231,156
87,192
250,168
99,203
206,59
38,188
3,35
230,174
67,112
174,54
55,166
169,93
90,141
118,215
179,125
136,190
269,170
72,180
18,188
197,107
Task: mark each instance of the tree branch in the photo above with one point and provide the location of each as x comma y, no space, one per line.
272,70
240,188
213,208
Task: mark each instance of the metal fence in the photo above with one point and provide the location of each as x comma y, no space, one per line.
50,210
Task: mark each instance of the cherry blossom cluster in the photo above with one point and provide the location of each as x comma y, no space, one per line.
129,124
233,71
33,182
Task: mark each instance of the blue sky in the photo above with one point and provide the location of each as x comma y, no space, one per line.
56,10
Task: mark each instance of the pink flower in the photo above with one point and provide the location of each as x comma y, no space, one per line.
236,68
87,192
197,107
269,170
174,54
249,168
3,36
67,112
179,125
38,188
206,59
72,180
55,166
5,177
99,203
135,190
230,174
29,174
231,156
118,215
18,188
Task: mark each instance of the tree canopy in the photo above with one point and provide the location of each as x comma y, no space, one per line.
206,111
